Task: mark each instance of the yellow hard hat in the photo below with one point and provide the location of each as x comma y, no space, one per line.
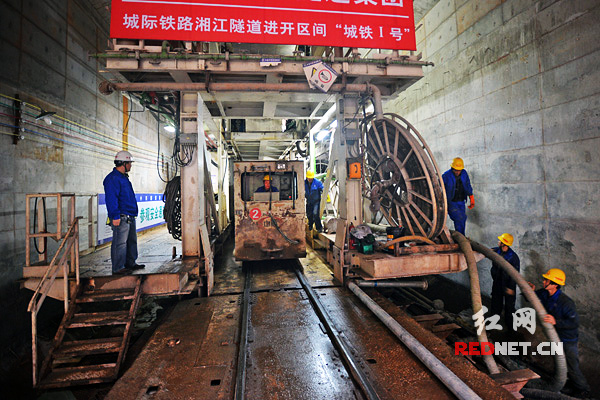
267,178
310,174
506,238
458,164
556,275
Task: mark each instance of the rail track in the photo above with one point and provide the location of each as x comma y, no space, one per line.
278,357
285,330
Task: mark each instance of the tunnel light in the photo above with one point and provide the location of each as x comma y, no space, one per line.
324,119
169,128
322,134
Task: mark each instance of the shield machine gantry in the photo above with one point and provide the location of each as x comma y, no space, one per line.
400,180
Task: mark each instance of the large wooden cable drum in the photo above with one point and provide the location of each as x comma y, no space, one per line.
401,165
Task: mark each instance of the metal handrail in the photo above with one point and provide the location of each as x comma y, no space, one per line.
70,243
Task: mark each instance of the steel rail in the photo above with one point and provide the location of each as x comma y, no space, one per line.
240,381
337,339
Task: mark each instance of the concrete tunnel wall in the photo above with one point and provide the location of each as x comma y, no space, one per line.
515,92
44,46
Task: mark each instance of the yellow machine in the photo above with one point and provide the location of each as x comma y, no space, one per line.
269,210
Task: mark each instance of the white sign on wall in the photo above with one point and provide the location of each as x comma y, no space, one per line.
150,214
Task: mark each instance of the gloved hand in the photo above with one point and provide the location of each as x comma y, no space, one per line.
471,202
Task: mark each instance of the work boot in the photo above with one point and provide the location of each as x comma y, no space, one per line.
136,267
122,271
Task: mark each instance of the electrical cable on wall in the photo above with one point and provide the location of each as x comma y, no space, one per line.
158,156
70,126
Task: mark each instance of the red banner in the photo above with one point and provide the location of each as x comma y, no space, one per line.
381,24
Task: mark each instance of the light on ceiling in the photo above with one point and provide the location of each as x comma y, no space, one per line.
169,128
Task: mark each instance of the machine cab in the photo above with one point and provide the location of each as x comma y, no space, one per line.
269,210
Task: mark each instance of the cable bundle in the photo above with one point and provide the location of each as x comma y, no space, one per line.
184,157
172,210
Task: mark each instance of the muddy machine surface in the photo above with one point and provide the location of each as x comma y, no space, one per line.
269,224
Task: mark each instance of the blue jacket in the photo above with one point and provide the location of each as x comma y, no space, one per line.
313,192
120,198
562,308
263,190
450,183
499,275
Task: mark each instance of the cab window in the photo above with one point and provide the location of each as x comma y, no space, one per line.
285,182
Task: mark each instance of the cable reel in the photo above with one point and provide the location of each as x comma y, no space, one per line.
404,181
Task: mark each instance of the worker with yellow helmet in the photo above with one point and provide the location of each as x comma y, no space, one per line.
563,315
503,287
266,186
313,189
458,188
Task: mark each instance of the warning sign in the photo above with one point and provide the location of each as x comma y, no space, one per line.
319,75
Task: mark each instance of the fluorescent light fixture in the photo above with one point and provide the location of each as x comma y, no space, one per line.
324,119
169,128
333,125
322,134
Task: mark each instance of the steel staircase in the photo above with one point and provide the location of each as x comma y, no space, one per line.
93,337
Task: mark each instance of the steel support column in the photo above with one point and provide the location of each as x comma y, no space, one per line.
190,189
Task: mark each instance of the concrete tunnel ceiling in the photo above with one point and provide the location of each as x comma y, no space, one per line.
266,110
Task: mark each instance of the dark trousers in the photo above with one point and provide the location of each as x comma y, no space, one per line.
312,212
458,214
500,301
574,373
123,249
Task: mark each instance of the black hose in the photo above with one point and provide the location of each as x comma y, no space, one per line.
35,243
303,153
282,234
172,210
560,362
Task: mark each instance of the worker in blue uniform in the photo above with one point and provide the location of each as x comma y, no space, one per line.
122,210
563,315
266,187
503,287
458,188
313,189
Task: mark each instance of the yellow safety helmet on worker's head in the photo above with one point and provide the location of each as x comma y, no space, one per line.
310,174
506,238
556,275
458,164
267,178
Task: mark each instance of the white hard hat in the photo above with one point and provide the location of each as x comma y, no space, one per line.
124,156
